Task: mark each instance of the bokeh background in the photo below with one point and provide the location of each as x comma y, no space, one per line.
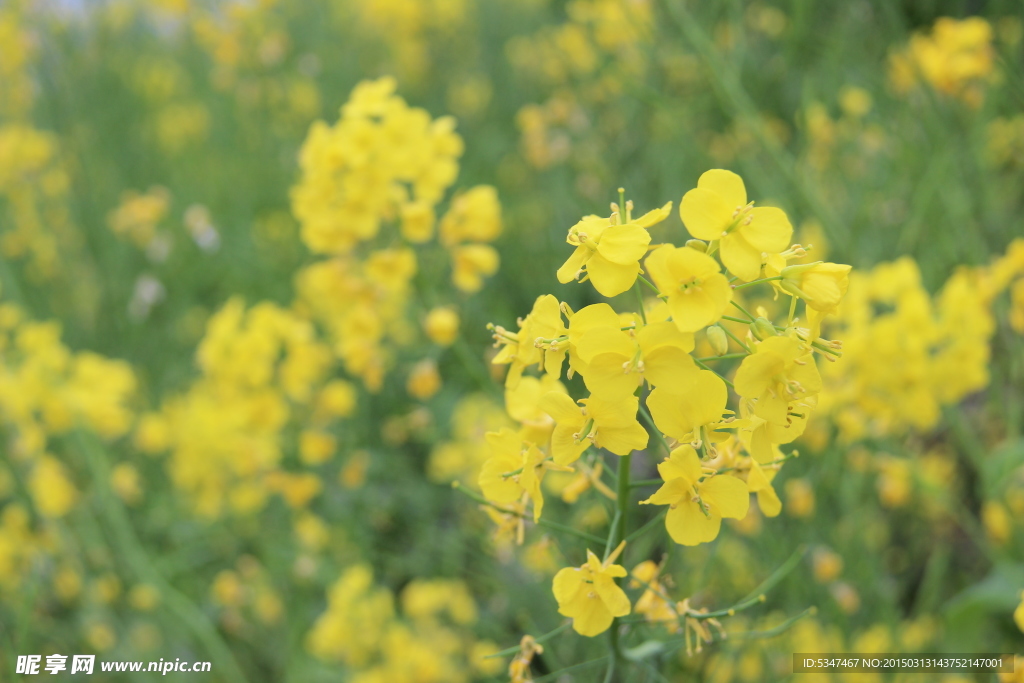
221,441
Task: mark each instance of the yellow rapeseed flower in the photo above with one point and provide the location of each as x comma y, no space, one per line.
698,500
514,469
717,209
617,361
608,424
778,374
690,410
697,291
589,595
609,250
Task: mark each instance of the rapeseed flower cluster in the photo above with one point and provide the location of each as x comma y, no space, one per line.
421,635
384,163
956,58
908,354
639,368
48,391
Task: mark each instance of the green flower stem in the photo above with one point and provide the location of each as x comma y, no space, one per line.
735,320
554,675
616,535
640,301
779,574
613,531
476,367
134,555
792,455
728,356
540,639
649,421
743,344
647,482
590,538
623,500
648,283
744,311
757,282
654,522
719,374
734,97
777,630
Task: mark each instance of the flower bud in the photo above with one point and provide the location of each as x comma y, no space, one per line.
719,342
762,328
822,285
697,244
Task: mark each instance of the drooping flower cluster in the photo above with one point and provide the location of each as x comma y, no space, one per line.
638,365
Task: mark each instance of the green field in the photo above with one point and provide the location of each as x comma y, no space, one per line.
298,301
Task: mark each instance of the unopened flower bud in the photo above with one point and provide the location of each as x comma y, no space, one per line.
762,328
698,245
822,285
719,342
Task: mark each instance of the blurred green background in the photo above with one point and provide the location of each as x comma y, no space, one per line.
559,104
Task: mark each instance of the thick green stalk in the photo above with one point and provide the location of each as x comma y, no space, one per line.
617,536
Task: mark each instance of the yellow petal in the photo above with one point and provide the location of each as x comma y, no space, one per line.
767,498
769,230
590,317
618,411
726,185
726,496
658,268
705,214
768,501
683,463
680,410
740,257
657,335
494,486
611,279
622,440
756,372
603,340
668,366
624,244
614,598
695,310
774,409
591,617
561,407
672,491
567,584
604,376
564,448
654,217
572,266
687,525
